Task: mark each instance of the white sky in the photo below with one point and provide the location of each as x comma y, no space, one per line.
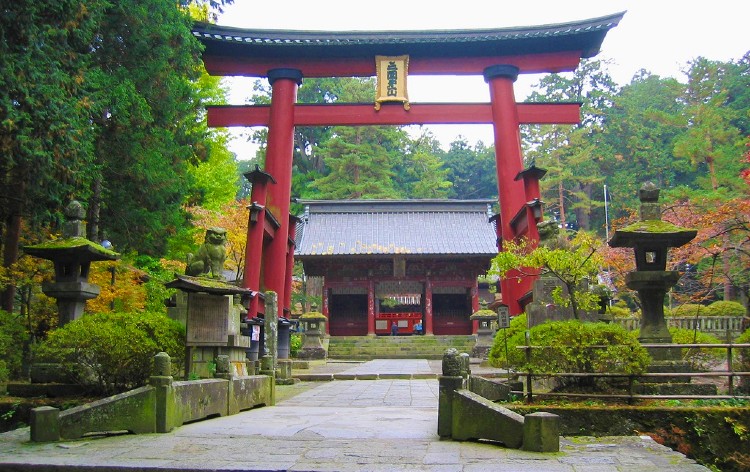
660,36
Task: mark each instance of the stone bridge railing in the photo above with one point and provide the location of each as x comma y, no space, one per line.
159,407
719,326
466,410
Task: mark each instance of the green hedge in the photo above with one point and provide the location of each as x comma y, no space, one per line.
113,352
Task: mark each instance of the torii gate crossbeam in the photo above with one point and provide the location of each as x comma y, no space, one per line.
393,114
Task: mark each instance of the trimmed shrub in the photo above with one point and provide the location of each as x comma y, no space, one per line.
688,310
569,347
113,352
13,335
725,308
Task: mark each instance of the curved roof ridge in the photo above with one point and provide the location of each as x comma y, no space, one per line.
281,36
583,35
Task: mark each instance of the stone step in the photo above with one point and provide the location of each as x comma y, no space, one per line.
395,347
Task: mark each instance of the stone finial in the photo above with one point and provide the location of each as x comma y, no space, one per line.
465,363
162,364
452,363
648,192
74,227
650,207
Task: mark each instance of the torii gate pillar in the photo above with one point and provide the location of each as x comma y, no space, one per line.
509,162
279,153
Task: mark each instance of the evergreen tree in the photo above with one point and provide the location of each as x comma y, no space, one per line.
472,171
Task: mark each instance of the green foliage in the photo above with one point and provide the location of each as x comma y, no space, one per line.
572,262
725,308
744,355
701,358
471,170
567,346
113,352
619,312
689,310
515,336
12,339
295,344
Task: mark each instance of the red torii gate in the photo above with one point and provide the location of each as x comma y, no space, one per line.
285,57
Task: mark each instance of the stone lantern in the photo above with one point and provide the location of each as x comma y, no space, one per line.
313,323
72,256
650,239
485,331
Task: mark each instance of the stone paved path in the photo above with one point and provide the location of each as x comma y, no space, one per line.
344,425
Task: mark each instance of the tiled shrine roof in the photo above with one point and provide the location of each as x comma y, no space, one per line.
388,227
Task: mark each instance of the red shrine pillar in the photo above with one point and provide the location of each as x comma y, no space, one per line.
255,232
530,177
428,307
279,150
371,308
325,309
293,220
509,162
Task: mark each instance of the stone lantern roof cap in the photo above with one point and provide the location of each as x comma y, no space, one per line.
77,248
189,283
484,314
652,232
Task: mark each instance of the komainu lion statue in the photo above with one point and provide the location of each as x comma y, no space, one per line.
209,261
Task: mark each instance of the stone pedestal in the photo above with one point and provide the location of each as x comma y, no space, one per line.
652,286
543,307
211,312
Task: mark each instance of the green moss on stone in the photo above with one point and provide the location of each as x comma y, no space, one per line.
653,226
72,243
312,315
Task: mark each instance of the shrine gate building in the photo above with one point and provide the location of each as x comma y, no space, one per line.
403,261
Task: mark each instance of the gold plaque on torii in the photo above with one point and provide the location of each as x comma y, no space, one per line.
391,74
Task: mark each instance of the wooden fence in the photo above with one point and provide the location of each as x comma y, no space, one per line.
728,372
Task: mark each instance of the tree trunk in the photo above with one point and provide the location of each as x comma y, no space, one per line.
561,197
14,211
93,211
712,172
583,214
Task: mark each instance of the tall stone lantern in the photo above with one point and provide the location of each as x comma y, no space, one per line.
72,256
650,239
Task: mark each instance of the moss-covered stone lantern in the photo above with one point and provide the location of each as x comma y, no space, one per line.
313,323
485,332
72,256
650,239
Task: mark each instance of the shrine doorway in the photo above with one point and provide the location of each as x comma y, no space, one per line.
348,315
451,312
